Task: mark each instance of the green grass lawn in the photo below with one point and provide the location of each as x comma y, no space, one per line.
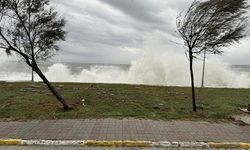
25,101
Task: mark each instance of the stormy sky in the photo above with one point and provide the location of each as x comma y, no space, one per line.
120,31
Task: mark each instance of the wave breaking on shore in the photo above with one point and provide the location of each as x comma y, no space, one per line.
167,70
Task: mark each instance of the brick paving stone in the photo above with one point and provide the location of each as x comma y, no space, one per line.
125,129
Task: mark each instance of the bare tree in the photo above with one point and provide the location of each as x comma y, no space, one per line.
209,26
30,29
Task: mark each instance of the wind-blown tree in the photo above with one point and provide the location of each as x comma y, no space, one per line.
209,26
30,29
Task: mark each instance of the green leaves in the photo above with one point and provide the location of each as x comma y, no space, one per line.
32,27
213,24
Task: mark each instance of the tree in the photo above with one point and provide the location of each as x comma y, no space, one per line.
30,29
209,26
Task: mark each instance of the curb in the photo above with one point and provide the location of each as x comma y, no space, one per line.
118,143
164,144
10,141
230,145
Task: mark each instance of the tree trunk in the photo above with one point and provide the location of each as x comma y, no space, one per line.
51,88
192,79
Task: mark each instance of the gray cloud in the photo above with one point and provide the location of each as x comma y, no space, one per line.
142,10
116,31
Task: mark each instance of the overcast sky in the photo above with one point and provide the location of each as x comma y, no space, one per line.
120,31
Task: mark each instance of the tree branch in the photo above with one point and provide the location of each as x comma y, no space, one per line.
27,32
26,57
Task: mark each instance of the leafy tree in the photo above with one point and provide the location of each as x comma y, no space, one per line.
30,29
209,26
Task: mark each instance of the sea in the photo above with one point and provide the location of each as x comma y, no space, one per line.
146,71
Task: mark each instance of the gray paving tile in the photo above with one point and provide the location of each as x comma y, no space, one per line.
125,129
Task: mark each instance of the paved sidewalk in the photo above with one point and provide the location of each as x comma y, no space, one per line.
126,129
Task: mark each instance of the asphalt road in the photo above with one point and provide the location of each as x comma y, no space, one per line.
85,148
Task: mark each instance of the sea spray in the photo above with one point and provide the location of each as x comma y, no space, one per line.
149,70
168,69
94,74
103,74
59,73
173,70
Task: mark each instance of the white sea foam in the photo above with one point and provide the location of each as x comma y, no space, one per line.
171,70
96,73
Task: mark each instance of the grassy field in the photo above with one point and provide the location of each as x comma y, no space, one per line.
25,101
